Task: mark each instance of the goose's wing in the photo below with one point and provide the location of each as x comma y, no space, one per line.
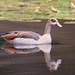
21,34
28,34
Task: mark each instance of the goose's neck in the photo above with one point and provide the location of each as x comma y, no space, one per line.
47,57
47,29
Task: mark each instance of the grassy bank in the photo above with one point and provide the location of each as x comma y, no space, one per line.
23,10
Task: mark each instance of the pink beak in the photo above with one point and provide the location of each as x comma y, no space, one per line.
58,24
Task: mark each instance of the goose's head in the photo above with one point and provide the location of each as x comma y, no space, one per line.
53,22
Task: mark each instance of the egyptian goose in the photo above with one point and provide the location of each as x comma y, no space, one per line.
29,37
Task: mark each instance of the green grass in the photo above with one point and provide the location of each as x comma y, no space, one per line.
23,10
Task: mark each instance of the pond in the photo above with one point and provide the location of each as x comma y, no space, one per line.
57,58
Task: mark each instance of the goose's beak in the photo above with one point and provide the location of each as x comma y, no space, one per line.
58,24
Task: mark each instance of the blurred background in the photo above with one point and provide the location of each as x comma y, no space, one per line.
23,10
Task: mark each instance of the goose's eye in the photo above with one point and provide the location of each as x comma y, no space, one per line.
53,20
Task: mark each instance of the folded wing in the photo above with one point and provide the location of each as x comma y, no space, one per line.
21,34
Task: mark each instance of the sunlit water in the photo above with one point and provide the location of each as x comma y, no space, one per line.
57,58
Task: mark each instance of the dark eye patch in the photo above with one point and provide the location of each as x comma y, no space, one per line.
7,33
16,32
53,20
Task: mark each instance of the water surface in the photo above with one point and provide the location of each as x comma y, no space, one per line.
57,58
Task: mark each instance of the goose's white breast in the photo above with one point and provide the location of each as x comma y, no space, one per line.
45,39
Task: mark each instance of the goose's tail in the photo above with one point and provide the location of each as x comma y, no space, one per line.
2,34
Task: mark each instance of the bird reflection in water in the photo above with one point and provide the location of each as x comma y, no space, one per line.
26,49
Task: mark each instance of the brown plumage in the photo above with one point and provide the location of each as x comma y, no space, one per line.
9,36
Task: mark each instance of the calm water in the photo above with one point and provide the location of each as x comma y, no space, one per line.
57,58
